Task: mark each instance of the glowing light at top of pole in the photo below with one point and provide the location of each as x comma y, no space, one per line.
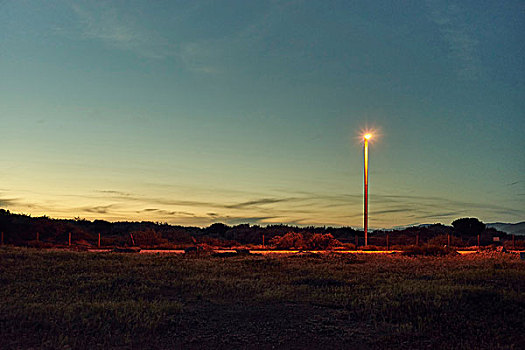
367,136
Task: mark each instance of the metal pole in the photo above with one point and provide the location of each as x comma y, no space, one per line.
365,218
70,239
99,239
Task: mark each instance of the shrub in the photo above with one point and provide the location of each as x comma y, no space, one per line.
345,246
289,240
216,242
148,237
322,241
108,241
442,240
296,240
518,244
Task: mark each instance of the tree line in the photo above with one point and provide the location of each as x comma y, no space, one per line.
21,229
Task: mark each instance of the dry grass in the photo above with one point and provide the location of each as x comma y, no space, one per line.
85,300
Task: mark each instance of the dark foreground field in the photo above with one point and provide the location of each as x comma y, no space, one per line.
85,300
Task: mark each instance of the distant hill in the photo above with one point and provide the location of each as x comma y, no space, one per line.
403,227
516,229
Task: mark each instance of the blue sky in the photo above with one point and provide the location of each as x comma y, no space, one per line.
194,112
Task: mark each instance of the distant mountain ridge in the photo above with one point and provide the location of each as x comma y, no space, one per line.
516,229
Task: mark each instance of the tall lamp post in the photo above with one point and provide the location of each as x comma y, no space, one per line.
365,214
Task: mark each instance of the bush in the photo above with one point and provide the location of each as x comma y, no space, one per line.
322,241
289,241
518,244
216,242
148,238
345,246
109,241
296,240
442,240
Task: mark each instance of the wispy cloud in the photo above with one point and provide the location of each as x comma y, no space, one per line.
389,211
299,208
210,52
4,202
254,220
450,214
453,24
101,209
116,28
120,29
113,192
433,203
251,204
198,56
257,202
217,54
166,212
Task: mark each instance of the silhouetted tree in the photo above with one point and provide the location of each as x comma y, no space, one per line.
468,226
216,230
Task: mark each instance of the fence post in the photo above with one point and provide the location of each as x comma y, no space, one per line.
69,241
448,240
99,239
387,242
356,241
263,239
479,246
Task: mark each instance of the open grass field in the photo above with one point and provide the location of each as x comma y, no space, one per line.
60,300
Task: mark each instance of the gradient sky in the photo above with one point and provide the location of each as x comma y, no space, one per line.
194,112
